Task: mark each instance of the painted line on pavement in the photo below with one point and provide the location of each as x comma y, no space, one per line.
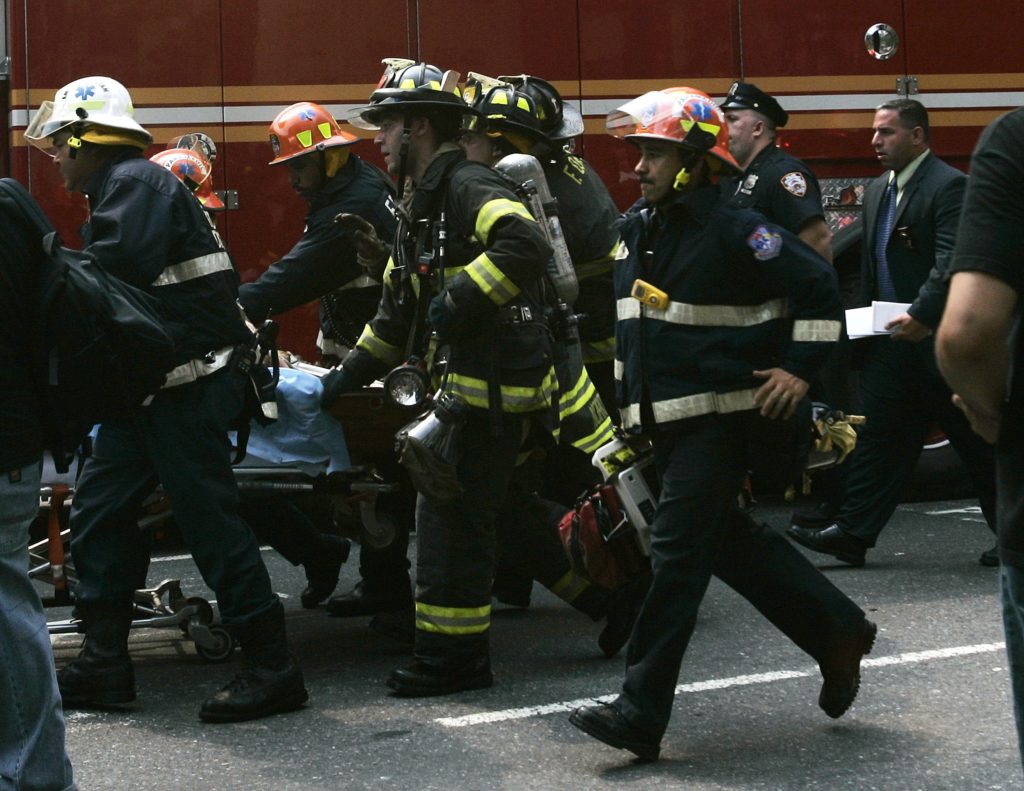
168,558
526,712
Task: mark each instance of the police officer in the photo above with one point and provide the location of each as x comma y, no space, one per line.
341,264
773,182
704,298
508,121
146,228
464,274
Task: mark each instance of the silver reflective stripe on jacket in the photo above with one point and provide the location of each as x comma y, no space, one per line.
692,406
816,330
705,315
198,368
193,268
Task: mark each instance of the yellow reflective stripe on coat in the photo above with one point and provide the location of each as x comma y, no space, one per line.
816,330
692,406
193,268
491,280
569,587
602,435
600,265
598,351
453,620
378,348
704,315
494,210
475,392
577,397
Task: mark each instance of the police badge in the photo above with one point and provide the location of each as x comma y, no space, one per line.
795,183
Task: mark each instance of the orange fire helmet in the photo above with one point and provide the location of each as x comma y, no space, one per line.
684,116
303,128
194,171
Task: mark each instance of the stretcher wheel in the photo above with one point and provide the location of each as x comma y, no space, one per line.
219,645
202,616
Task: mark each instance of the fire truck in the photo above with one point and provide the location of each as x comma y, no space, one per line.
226,67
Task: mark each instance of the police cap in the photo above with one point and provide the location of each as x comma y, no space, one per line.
747,96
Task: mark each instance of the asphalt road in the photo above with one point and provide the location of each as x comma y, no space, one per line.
934,711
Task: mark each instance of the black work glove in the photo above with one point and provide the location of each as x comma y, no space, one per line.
442,315
372,253
336,382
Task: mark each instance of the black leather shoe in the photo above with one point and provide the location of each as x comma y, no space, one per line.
322,572
830,541
841,671
257,692
990,557
604,722
815,517
96,681
362,600
421,680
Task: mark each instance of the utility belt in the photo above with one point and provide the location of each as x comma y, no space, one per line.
209,363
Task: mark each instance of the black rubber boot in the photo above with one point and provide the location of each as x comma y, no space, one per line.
102,675
322,569
271,681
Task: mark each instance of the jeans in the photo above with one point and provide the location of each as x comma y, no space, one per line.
32,756
1011,586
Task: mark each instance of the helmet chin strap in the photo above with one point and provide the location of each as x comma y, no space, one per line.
691,159
403,155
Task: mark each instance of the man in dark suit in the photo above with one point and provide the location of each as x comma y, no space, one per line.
910,220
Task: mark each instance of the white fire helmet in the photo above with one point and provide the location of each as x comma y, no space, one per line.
91,102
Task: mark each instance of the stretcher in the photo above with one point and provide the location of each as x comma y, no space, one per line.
304,452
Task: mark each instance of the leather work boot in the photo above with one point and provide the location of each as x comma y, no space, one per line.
367,599
623,609
604,722
102,675
271,681
841,671
323,568
421,680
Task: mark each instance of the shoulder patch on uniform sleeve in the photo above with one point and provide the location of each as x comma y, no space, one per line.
765,243
795,183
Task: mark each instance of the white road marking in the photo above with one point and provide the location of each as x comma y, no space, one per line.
167,558
715,683
970,509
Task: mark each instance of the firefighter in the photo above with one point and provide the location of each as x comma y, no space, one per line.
706,299
462,289
508,121
277,520
147,229
773,182
326,263
341,264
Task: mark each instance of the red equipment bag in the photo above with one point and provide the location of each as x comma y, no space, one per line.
601,544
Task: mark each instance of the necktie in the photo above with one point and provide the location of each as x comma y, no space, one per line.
886,218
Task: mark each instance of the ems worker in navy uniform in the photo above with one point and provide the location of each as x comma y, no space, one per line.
464,285
341,263
146,228
773,182
722,319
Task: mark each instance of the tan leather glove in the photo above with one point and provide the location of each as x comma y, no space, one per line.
371,252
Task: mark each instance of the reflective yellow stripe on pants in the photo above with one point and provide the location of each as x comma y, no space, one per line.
453,620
